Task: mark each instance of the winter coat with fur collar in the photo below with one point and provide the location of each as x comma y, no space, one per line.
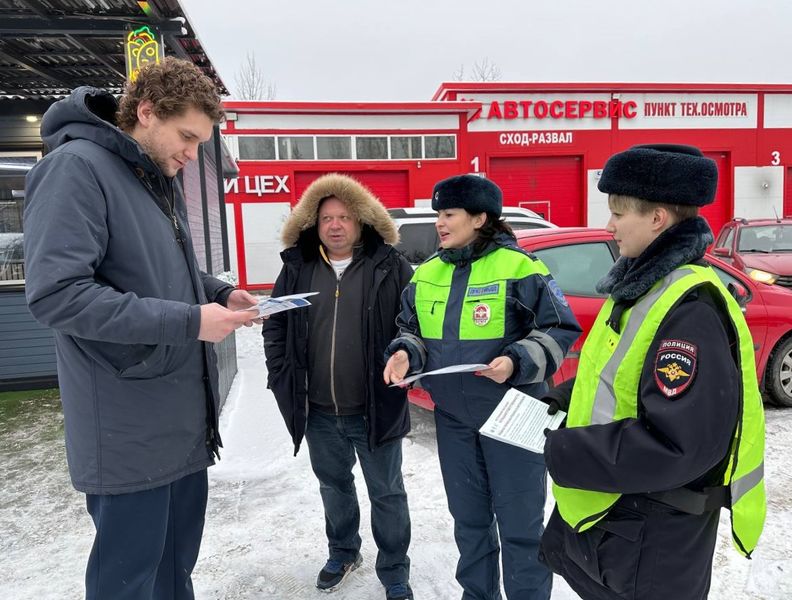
386,273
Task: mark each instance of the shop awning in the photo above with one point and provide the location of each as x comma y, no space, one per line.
47,48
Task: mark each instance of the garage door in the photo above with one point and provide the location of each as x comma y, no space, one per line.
391,187
550,185
719,211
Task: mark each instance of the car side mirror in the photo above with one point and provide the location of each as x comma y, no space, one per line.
724,251
740,294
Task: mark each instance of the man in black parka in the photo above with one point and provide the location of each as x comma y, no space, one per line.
325,366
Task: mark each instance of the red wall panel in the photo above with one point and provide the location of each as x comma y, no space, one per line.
391,187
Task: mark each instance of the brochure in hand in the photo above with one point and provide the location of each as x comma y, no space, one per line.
269,306
472,368
520,420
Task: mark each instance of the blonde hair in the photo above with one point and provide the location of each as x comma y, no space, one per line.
680,212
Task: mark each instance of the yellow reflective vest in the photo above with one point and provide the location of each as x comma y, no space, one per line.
607,389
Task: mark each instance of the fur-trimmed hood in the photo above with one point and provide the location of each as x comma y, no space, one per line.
360,201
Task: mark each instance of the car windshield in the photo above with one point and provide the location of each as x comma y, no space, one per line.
766,238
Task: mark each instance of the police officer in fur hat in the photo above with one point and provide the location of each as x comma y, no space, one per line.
665,423
482,299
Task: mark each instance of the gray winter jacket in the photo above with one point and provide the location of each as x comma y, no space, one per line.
120,285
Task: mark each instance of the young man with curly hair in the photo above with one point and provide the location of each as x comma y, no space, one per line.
111,268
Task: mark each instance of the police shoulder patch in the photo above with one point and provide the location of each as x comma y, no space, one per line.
553,286
675,366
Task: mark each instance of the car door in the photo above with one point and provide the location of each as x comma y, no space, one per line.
724,247
577,267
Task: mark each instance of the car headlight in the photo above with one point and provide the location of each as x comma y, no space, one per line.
763,276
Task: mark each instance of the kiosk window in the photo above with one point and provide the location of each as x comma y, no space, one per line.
256,148
406,147
12,198
333,148
371,148
296,148
439,146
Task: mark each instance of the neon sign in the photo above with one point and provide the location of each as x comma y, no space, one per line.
142,47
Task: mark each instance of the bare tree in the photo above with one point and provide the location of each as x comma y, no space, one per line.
251,83
486,70
482,70
459,74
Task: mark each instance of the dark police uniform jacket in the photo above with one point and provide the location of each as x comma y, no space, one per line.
645,548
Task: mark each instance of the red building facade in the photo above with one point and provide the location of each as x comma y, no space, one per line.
543,144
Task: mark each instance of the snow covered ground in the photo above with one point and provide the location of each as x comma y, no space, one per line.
264,536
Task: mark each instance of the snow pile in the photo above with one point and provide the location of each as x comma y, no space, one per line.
264,537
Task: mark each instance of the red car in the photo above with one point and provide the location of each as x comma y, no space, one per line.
579,257
760,247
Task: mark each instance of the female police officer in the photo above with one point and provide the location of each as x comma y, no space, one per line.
665,423
481,299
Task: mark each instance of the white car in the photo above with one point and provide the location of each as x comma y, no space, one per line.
419,238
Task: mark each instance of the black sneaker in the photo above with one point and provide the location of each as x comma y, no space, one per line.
335,572
399,591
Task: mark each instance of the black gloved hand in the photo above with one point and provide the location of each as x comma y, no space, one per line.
553,407
557,398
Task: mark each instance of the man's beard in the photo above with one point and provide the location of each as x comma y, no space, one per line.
151,151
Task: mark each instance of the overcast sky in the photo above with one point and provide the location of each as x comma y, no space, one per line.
403,49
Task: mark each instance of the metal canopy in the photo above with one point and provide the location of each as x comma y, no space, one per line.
49,47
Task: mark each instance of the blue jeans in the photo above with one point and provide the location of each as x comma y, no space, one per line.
332,444
147,542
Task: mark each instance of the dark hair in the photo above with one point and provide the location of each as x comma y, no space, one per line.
172,86
492,226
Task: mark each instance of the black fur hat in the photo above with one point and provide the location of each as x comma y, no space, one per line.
471,192
668,173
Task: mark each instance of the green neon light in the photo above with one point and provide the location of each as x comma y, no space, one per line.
140,32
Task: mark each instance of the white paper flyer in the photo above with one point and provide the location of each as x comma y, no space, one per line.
269,306
520,420
469,368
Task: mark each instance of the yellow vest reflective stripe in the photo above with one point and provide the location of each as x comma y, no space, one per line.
606,390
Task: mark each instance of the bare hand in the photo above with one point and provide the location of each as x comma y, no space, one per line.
500,369
396,367
217,322
240,300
